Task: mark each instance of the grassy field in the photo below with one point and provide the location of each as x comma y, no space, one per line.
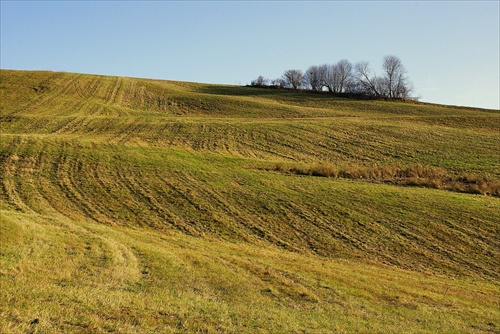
144,206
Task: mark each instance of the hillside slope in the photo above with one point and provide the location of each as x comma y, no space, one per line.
145,205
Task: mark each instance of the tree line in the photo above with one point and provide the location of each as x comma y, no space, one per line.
346,78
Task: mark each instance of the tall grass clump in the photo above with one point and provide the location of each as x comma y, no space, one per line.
412,175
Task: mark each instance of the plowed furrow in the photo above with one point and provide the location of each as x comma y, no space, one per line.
11,193
142,201
60,87
87,88
68,183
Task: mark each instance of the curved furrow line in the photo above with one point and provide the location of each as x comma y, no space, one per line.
20,175
183,135
315,138
68,254
88,125
346,147
106,88
296,144
92,87
173,133
238,139
79,183
301,231
224,145
318,230
95,94
188,195
144,206
224,133
56,97
240,144
284,283
204,139
469,243
29,95
10,190
127,200
127,93
25,181
218,138
328,142
253,146
252,143
19,166
65,189
71,107
103,256
105,181
92,105
72,125
66,172
122,263
119,92
29,173
277,146
88,87
72,99
248,141
192,212
113,89
234,213
330,145
101,126
230,211
119,138
89,181
365,148
137,97
130,130
199,209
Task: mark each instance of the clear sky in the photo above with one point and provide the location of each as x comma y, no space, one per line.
450,48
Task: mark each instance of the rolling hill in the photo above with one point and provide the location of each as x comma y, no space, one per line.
144,206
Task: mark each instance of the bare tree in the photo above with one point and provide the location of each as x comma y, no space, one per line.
394,84
396,81
314,77
343,72
343,77
367,79
278,83
323,72
293,78
337,77
381,86
260,81
329,77
404,89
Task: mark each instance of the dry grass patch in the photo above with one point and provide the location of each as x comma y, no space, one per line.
414,175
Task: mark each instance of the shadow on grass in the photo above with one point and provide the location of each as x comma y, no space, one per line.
270,91
287,93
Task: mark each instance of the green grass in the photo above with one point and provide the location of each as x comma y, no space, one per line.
133,205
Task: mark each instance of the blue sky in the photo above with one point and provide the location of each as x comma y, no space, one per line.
450,48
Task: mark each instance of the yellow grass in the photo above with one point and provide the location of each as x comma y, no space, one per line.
145,206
